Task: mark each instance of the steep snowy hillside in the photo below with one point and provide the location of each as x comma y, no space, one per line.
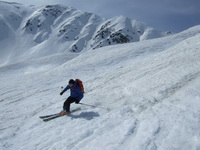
11,16
147,97
28,31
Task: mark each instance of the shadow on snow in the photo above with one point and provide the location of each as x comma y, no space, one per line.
86,115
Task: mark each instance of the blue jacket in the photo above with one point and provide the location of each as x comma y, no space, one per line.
75,91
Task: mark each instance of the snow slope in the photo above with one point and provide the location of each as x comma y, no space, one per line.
27,31
150,91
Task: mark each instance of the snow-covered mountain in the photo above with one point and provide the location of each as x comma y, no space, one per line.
28,31
146,94
147,97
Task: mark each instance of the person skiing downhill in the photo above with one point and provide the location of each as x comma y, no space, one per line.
76,95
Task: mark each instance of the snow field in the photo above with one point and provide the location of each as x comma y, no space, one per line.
150,92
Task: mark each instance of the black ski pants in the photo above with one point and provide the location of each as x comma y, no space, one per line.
66,105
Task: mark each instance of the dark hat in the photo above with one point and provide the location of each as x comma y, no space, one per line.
71,81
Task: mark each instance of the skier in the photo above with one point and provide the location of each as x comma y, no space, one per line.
75,96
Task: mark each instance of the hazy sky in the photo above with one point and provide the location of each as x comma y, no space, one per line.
170,15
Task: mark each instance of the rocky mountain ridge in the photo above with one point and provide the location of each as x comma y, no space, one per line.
30,29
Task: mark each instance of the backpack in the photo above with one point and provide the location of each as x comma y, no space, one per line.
80,83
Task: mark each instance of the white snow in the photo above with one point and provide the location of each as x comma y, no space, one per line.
149,91
27,32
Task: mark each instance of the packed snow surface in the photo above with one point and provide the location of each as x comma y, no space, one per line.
147,97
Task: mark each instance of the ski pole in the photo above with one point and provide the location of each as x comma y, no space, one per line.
87,105
92,106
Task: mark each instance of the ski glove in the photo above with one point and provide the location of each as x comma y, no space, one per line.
77,102
61,93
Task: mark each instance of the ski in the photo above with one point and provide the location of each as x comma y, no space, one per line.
47,116
51,118
54,116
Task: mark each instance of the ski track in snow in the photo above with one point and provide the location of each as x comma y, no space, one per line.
150,92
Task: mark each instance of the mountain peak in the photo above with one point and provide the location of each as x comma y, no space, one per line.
73,30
